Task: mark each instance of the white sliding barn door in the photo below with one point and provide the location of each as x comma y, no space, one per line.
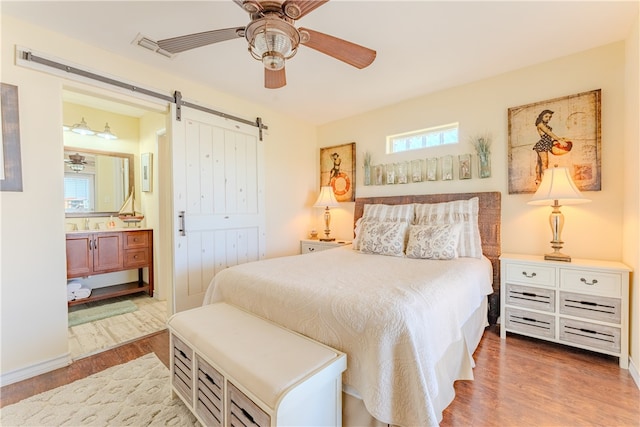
218,200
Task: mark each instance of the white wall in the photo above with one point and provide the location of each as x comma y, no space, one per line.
34,310
593,230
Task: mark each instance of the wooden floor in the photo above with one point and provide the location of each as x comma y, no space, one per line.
518,382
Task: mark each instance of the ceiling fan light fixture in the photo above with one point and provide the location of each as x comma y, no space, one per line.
82,128
76,162
272,41
273,61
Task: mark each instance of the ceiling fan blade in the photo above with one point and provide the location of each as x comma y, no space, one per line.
274,79
296,9
345,51
192,41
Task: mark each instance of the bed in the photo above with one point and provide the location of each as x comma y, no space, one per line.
408,323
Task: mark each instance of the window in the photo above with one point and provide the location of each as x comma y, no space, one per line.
78,192
424,138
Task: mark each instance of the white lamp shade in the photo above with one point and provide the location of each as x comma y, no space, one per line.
557,185
82,128
107,134
326,199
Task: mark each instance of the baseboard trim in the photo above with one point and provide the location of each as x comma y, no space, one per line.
633,370
35,370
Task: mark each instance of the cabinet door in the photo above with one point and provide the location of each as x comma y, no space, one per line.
79,255
107,252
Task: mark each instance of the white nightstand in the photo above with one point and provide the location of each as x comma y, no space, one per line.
308,246
582,303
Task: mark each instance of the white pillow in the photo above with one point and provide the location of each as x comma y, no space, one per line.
433,241
389,212
384,213
463,212
383,238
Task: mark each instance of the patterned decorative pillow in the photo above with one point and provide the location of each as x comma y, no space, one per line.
383,238
433,241
463,212
382,213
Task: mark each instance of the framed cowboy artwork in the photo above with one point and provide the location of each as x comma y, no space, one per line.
562,131
338,170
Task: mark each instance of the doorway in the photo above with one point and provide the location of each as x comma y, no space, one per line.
139,129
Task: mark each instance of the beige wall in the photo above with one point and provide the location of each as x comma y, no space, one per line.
593,230
631,224
33,304
33,313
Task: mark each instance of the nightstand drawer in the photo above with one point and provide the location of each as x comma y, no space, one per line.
541,325
591,307
590,334
311,246
531,274
591,282
530,297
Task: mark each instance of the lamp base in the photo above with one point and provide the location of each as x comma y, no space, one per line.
557,256
327,239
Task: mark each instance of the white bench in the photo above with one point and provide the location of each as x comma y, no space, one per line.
231,368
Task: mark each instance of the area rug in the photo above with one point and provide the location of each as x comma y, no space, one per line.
91,314
136,393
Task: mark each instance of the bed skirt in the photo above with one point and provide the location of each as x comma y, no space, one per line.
456,364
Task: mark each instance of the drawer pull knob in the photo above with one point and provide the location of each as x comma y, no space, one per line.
182,353
529,319
529,294
525,274
588,331
593,282
312,249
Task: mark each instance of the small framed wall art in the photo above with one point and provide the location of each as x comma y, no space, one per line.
338,170
146,171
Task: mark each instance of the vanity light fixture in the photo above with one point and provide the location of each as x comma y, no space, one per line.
82,128
106,133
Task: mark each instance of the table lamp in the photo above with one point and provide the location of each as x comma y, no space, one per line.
557,189
326,200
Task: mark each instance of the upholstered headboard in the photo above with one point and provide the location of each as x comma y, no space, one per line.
489,218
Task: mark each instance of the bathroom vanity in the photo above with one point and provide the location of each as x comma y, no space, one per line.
107,251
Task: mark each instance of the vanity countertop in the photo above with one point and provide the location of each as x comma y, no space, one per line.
109,230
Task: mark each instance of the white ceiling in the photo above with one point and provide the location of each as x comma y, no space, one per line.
422,46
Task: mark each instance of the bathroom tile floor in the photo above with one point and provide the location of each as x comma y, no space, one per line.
94,337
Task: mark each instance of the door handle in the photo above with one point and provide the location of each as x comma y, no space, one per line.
181,228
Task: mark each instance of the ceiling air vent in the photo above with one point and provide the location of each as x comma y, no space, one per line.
151,45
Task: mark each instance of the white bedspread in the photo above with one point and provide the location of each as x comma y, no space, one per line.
393,317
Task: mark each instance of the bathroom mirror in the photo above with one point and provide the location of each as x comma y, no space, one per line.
96,183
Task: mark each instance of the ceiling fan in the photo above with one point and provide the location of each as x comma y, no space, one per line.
273,38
